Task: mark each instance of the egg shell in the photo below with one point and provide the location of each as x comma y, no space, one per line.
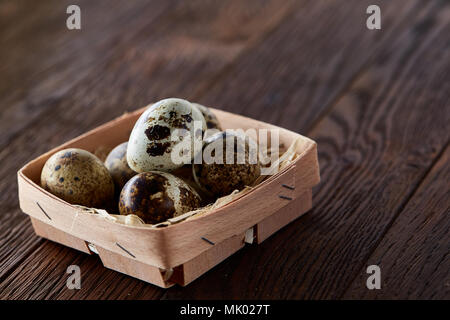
211,120
185,174
220,179
117,165
150,144
78,177
157,196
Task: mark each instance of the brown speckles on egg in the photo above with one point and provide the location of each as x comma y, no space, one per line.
156,197
78,177
176,120
210,124
185,174
199,133
222,179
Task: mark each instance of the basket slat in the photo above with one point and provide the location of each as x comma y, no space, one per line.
177,253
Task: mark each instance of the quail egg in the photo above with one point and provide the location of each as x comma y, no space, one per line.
117,165
225,169
78,177
155,136
157,196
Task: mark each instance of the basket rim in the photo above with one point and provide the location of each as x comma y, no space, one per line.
311,144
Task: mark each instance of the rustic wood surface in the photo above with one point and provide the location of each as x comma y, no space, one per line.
376,101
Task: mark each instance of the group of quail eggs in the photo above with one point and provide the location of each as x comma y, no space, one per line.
140,176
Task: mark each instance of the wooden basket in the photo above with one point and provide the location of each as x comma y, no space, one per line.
179,253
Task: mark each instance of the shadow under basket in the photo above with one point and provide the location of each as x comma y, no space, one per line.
178,253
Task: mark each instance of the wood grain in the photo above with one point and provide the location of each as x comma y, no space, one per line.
165,248
375,146
145,71
414,254
97,282
43,63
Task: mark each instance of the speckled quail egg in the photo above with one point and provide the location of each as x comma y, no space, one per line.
157,196
150,146
117,165
78,177
222,171
211,120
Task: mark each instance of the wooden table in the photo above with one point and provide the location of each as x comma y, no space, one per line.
376,101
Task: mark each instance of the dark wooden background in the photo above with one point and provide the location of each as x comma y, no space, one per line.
376,101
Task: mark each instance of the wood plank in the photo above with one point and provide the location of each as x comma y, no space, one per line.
375,146
181,54
414,254
292,78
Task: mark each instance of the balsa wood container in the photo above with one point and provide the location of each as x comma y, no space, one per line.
179,253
